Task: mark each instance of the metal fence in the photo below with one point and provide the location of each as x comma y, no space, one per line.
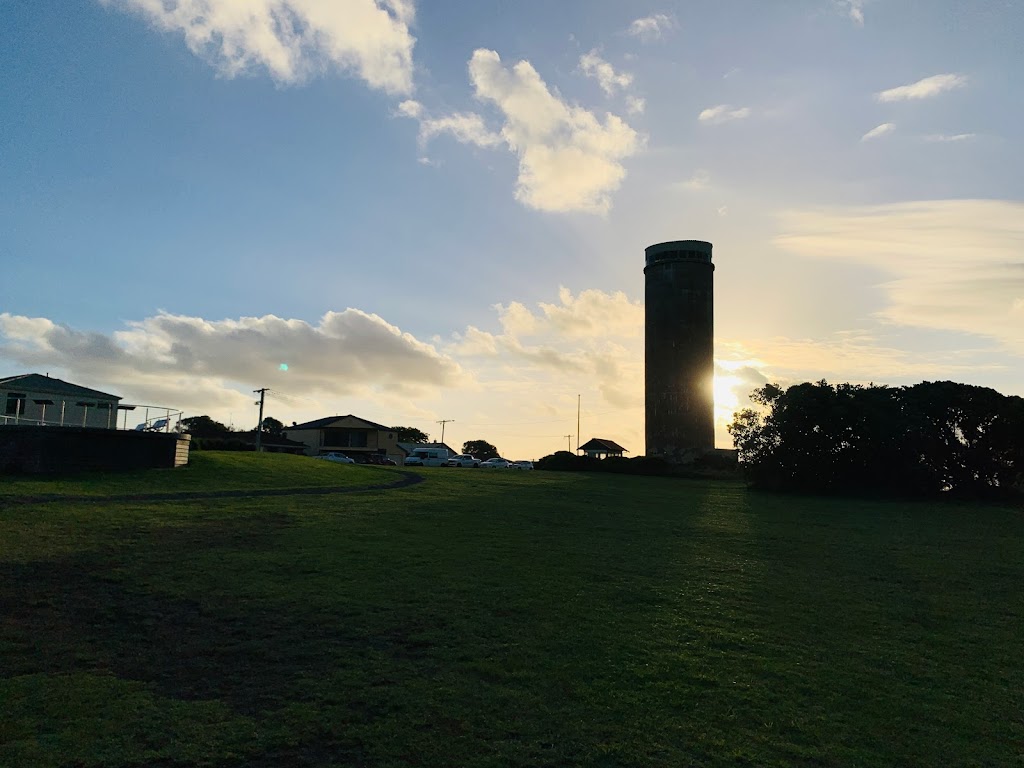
155,418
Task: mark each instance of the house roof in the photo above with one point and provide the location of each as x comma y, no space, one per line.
600,444
34,382
329,420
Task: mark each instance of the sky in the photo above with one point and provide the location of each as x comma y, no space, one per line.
417,212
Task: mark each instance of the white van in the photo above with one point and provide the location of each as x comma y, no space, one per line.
427,457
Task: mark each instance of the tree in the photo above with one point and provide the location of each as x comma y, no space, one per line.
934,437
204,426
481,449
272,426
411,435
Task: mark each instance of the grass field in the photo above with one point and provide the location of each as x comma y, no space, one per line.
504,619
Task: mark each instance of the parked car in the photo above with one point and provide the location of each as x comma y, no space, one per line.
377,459
463,460
522,465
427,457
498,463
339,458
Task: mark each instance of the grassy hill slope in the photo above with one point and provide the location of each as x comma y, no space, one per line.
513,619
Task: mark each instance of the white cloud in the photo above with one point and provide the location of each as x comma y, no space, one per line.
635,105
466,127
955,265
923,89
651,27
854,9
878,130
569,160
945,138
593,66
185,361
723,113
701,179
293,40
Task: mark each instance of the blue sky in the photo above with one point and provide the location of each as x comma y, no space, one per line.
439,210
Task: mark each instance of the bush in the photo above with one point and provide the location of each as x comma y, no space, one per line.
563,461
220,444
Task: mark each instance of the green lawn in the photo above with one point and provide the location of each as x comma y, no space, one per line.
207,471
511,619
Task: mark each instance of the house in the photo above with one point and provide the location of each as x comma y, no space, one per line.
600,448
32,398
349,434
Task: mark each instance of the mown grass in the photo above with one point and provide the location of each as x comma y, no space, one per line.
512,619
206,471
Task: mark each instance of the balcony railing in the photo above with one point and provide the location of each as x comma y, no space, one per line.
77,413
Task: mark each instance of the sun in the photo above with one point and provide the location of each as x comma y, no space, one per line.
727,400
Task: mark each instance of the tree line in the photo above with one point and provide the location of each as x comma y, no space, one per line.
921,440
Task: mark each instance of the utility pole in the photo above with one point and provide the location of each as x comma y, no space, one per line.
442,422
568,446
259,425
578,423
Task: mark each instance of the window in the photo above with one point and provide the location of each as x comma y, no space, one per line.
15,403
345,438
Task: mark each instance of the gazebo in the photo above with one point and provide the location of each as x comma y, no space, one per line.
600,448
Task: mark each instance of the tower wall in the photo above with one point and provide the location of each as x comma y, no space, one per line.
679,350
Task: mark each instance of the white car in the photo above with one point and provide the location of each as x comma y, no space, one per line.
339,458
522,465
463,460
498,463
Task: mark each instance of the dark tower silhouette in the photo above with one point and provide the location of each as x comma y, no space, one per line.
680,350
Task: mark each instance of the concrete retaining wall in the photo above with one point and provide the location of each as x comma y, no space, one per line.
64,450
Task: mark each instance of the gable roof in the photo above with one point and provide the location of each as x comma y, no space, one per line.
600,444
33,382
329,420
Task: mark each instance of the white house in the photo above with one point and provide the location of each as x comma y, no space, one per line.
36,399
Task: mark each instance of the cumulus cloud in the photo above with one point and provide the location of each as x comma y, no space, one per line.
954,265
651,27
593,66
592,337
878,130
466,127
569,159
923,89
201,361
723,113
293,40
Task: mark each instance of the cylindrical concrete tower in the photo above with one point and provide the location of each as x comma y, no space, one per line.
680,350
